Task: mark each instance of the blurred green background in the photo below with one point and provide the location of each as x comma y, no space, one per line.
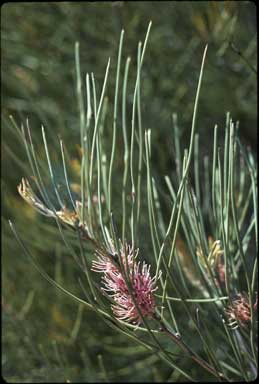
45,336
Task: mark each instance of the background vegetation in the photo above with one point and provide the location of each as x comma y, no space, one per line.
45,336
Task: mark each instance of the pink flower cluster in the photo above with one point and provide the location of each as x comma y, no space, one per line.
239,311
129,283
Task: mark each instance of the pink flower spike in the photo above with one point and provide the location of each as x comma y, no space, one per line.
143,287
129,305
105,264
239,312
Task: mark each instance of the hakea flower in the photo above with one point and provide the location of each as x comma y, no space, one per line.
29,196
215,252
214,259
239,311
105,264
131,288
141,301
71,218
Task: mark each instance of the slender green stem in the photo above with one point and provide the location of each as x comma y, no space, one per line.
140,135
133,189
114,133
126,149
